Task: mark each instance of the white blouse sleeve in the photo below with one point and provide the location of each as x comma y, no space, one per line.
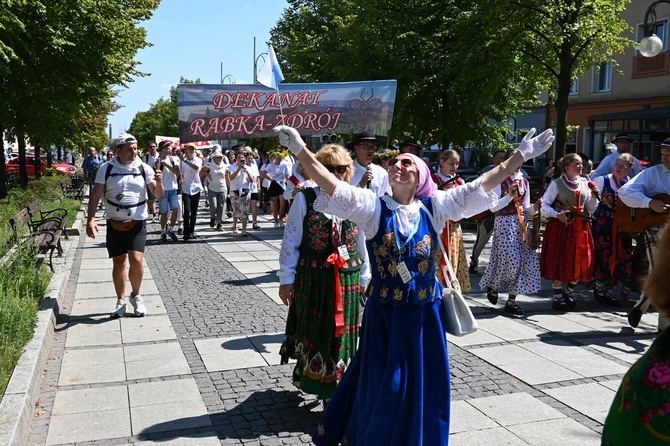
289,253
362,206
548,198
366,275
462,202
528,208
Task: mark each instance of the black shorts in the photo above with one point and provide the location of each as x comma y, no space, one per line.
254,196
275,189
120,242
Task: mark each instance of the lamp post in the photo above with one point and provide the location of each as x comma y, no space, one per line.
255,77
230,78
256,66
651,45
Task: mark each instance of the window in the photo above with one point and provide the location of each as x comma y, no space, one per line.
660,29
574,88
602,78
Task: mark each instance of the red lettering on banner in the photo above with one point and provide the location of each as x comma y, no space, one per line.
310,121
227,124
335,121
239,100
196,126
221,100
253,101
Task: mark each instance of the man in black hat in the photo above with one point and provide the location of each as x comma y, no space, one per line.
623,144
410,146
367,174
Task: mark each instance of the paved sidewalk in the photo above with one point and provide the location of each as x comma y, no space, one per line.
202,368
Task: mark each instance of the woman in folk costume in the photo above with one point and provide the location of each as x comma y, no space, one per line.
323,269
513,265
396,390
452,235
567,248
613,249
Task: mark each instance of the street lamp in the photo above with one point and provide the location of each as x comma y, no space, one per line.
230,78
256,66
651,45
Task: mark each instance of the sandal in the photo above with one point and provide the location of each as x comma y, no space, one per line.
512,307
560,305
569,300
492,295
235,231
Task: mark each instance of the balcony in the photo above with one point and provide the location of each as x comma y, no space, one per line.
651,66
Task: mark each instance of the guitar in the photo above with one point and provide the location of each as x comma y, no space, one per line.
638,219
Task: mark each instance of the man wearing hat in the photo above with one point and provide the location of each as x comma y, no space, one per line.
622,142
169,167
410,146
367,174
640,192
124,181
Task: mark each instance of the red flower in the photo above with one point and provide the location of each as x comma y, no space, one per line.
658,375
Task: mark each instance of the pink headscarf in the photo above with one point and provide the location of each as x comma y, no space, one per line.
426,184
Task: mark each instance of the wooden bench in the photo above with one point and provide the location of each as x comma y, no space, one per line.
73,187
44,241
55,219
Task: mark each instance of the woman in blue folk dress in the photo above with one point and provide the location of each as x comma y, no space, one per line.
396,390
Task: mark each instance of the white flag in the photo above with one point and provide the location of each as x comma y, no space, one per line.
270,75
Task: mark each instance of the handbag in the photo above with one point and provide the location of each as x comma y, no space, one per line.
459,320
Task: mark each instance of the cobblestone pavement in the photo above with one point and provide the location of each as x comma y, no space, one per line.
547,378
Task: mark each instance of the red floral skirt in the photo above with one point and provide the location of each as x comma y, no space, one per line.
568,259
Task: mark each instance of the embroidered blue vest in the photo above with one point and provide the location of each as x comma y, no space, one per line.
421,256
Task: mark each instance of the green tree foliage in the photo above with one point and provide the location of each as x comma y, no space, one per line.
162,118
462,66
548,44
64,62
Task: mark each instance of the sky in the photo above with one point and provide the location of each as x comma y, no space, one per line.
191,39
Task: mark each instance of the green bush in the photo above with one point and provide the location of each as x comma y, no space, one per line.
22,286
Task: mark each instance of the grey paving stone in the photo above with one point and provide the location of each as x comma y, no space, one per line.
89,426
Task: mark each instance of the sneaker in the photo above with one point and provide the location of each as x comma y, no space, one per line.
281,224
218,227
173,236
512,307
276,224
163,237
212,222
154,219
120,309
473,268
492,295
193,235
180,231
256,226
136,302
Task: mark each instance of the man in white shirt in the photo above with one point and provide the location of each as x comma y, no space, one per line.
124,181
191,188
623,144
366,173
640,192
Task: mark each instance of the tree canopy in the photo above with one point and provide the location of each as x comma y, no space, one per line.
463,67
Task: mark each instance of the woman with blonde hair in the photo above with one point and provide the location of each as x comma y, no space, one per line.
641,408
567,247
323,269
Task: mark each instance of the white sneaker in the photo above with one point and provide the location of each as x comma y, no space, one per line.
138,305
281,224
120,309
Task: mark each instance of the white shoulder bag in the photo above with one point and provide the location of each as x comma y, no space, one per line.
459,319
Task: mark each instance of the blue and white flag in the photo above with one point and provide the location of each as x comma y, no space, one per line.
270,75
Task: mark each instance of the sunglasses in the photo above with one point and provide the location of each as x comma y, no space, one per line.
339,169
367,146
404,162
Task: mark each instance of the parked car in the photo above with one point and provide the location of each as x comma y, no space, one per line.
12,166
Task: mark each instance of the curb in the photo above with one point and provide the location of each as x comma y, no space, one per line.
17,405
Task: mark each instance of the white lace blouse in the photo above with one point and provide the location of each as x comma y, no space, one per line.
362,206
289,252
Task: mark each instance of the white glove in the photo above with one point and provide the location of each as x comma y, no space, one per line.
531,147
289,137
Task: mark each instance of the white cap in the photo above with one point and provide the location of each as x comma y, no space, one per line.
123,138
